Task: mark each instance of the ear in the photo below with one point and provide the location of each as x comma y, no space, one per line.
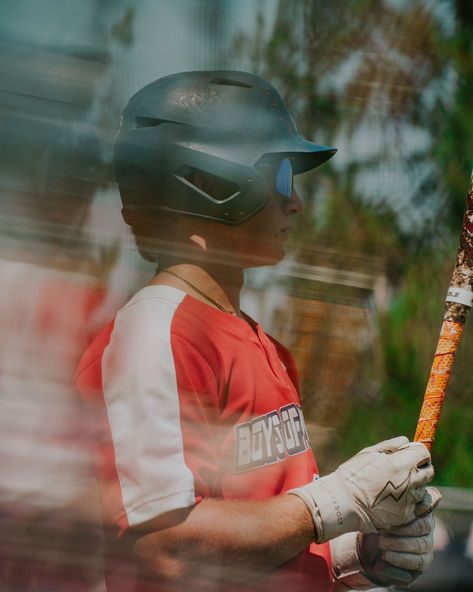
199,240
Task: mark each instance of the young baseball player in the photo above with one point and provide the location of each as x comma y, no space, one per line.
208,479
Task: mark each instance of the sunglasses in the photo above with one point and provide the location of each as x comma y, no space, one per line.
284,178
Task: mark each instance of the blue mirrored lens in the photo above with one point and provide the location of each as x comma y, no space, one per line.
284,178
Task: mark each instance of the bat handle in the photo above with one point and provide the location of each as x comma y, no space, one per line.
444,358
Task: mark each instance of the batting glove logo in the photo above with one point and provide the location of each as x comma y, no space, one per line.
391,490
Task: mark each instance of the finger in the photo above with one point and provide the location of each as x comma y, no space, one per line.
391,575
388,446
417,450
417,495
416,457
416,545
409,561
429,502
421,475
418,527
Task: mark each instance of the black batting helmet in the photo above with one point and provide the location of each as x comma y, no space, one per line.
229,128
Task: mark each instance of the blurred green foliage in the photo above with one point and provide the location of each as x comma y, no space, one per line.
403,65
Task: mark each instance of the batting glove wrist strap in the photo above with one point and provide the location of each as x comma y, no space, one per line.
331,506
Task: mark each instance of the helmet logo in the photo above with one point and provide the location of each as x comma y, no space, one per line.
196,98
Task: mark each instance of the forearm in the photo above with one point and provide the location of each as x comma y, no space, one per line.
257,536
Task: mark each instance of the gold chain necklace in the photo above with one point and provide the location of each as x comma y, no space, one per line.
199,291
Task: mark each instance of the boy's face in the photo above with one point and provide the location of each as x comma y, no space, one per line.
257,242
261,240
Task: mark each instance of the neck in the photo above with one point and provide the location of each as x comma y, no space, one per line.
222,283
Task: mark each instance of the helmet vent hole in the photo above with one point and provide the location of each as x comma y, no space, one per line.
228,82
148,122
210,186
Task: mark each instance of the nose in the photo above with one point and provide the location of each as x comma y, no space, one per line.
294,205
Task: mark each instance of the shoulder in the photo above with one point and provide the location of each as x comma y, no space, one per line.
159,328
141,327
144,327
162,316
151,308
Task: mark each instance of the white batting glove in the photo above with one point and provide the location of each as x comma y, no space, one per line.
375,490
396,557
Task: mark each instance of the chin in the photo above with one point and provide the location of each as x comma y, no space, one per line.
262,259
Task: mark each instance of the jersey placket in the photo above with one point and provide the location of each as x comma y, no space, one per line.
274,361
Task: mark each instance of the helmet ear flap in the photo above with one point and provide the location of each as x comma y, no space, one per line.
212,187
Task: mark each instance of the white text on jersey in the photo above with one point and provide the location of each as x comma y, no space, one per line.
267,439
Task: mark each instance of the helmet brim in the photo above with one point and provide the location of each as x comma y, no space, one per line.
305,155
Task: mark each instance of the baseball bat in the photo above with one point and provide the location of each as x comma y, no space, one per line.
457,304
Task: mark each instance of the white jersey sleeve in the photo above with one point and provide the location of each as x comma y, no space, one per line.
142,403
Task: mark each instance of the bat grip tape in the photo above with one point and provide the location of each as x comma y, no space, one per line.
460,296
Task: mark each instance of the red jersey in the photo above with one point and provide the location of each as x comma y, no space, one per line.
199,403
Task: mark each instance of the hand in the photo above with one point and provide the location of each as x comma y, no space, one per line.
399,555
375,490
406,552
395,557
